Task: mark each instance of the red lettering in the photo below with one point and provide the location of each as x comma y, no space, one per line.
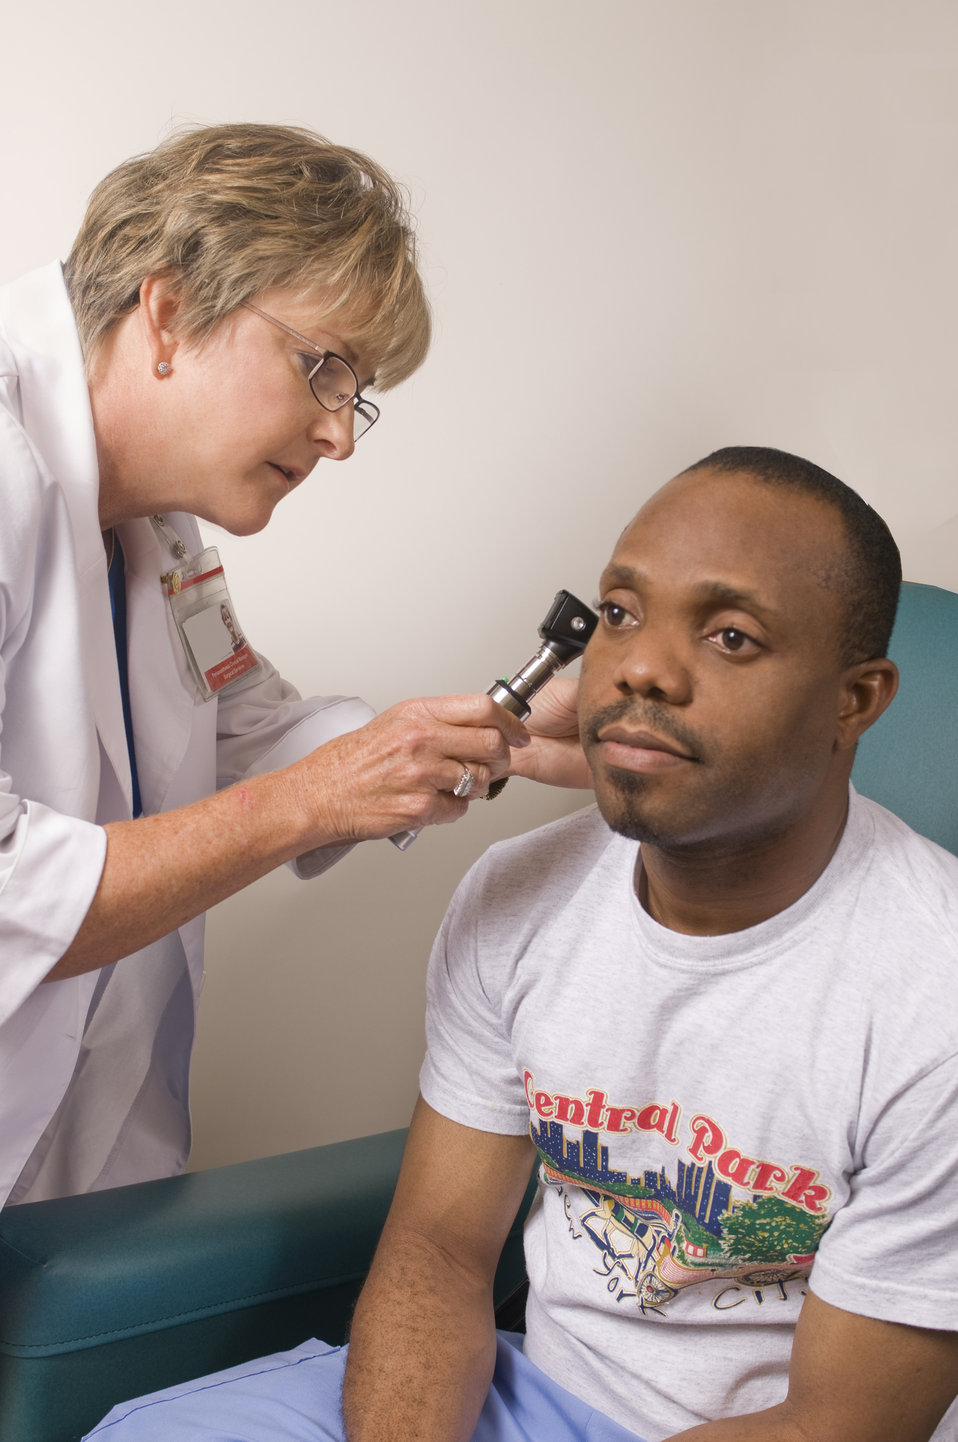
655,1118
597,1101
800,1190
767,1177
543,1104
529,1085
570,1109
618,1116
734,1167
708,1139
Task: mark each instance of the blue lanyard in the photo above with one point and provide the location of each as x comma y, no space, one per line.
117,578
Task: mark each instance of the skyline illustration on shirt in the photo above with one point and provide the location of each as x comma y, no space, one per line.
658,1236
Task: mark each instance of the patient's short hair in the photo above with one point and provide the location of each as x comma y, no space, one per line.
233,210
870,581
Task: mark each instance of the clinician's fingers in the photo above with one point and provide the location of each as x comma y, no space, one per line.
472,713
471,779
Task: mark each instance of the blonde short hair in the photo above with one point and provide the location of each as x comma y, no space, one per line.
233,210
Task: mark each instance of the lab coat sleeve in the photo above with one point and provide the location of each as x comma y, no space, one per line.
50,867
264,724
50,860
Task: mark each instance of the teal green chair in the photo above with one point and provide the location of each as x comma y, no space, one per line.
909,759
108,1296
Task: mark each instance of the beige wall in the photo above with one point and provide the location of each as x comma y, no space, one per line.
649,229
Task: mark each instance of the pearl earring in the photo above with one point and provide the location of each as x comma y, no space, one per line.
163,368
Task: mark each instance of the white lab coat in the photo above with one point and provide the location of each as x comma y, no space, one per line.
121,1074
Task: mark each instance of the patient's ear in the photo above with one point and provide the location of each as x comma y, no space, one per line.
867,690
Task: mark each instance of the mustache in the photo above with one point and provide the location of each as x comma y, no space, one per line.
645,716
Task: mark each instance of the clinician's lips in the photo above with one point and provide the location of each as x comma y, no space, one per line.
640,750
291,474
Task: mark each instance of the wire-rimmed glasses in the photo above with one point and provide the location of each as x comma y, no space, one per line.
332,380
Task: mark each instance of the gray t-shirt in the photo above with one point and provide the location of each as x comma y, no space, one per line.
713,1115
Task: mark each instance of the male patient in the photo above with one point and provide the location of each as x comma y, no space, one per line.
718,1013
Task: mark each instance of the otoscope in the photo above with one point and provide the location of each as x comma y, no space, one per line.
564,632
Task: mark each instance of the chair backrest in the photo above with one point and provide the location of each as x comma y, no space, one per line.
909,759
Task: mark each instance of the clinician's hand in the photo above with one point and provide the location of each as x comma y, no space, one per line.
555,755
398,771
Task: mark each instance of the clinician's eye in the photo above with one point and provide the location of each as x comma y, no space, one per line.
734,642
309,362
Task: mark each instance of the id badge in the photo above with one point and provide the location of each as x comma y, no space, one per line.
205,617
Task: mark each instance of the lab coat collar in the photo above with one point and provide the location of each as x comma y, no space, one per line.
37,317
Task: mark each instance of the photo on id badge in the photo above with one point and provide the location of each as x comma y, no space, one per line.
221,652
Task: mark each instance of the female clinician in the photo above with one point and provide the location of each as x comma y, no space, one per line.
229,297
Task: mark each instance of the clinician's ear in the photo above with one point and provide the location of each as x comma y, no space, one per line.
867,690
160,301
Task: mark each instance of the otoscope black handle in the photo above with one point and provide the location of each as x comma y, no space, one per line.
565,633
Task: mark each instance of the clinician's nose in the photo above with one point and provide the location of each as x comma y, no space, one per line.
652,664
332,432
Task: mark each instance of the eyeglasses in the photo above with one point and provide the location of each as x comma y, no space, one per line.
332,380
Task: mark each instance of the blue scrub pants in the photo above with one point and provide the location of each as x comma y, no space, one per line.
295,1397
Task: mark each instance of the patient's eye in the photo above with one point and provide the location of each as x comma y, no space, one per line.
734,642
614,615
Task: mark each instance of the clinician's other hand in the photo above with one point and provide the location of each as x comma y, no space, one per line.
398,771
555,755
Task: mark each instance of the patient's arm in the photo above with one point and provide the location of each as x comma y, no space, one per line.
852,1379
423,1344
